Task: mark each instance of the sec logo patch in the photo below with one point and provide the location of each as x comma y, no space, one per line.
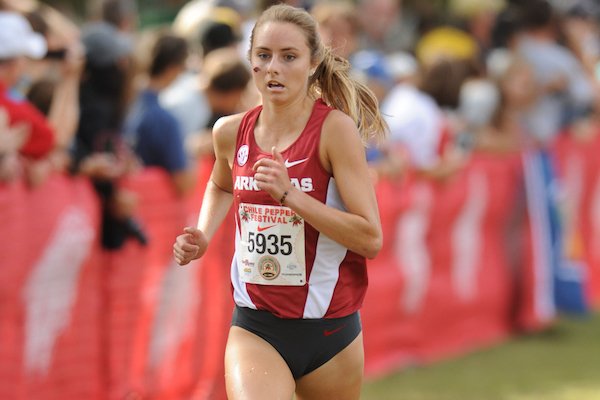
242,155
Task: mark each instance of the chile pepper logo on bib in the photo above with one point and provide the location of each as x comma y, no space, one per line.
268,267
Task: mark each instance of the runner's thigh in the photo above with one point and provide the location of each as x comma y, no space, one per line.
339,378
254,369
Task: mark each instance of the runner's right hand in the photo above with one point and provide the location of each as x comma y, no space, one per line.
190,245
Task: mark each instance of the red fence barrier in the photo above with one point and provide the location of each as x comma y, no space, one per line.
50,309
443,284
580,171
455,274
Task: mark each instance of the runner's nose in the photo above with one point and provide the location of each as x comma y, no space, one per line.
273,66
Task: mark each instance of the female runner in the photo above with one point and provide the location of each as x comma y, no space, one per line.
306,217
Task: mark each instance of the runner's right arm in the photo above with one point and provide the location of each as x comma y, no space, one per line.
218,195
192,244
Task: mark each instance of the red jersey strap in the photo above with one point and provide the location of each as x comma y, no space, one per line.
247,125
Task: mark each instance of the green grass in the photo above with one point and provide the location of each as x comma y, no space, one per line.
560,363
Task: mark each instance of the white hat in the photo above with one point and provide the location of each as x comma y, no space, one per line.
18,39
401,64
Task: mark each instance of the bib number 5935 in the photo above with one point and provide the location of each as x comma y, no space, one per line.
272,244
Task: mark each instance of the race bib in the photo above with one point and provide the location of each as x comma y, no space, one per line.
272,246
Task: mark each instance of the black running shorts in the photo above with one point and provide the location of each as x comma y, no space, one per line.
304,344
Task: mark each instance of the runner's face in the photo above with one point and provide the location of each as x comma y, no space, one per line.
281,61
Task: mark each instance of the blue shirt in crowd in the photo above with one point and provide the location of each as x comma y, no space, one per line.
155,134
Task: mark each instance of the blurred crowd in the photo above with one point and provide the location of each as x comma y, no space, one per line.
102,97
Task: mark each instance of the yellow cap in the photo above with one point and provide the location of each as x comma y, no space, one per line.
445,42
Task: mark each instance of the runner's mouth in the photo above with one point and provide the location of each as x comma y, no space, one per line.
274,85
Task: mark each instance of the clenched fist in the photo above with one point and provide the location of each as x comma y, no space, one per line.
190,245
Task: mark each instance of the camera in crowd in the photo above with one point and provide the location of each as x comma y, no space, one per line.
58,54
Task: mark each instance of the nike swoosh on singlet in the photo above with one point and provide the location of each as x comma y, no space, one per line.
329,332
264,228
289,164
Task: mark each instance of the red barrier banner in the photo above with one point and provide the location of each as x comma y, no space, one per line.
579,171
214,315
458,270
169,323
50,338
14,249
442,284
149,300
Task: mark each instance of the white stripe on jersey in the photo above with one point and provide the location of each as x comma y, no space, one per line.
240,294
325,271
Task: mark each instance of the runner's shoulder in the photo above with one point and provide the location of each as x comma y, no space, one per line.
225,130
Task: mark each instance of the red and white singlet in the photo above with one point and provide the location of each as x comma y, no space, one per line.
282,264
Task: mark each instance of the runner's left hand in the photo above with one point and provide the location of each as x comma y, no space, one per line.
271,174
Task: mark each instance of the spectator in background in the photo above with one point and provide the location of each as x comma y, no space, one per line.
512,84
224,80
339,29
406,111
99,150
415,122
446,43
478,19
420,112
382,26
186,97
222,86
52,83
18,42
12,138
402,67
566,93
566,89
506,28
121,14
448,57
152,131
478,101
104,89
216,35
207,26
338,26
581,35
506,95
370,68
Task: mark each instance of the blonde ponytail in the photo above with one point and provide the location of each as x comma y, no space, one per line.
333,83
